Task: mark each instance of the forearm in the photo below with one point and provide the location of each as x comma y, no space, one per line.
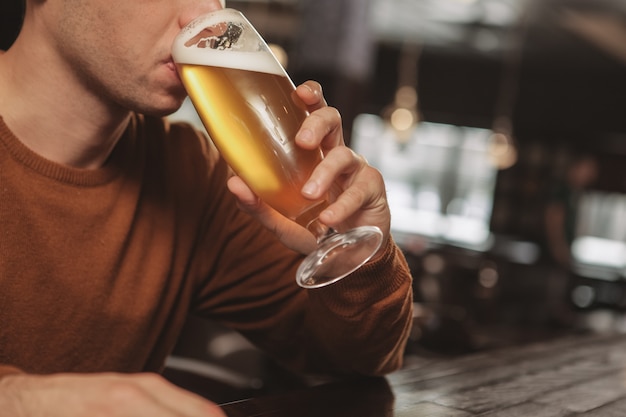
363,322
357,325
110,394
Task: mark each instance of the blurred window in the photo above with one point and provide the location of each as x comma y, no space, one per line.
440,182
601,232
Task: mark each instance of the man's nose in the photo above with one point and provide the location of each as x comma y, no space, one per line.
197,8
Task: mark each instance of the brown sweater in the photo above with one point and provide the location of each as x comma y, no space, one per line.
99,268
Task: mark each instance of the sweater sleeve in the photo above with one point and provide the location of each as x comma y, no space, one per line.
6,370
370,316
246,281
359,325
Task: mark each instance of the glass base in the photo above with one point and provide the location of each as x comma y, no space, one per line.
339,255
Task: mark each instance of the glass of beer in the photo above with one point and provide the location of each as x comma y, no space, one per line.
248,105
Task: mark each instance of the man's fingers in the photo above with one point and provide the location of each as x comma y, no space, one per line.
322,128
340,166
310,92
247,200
291,234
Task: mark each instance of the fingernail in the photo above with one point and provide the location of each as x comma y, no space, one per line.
305,136
310,188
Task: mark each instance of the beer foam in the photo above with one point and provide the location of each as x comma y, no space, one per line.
260,60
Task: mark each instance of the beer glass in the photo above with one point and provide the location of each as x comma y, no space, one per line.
248,105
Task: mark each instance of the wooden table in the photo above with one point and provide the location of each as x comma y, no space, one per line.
574,376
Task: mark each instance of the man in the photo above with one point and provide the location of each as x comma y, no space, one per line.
562,207
560,220
116,225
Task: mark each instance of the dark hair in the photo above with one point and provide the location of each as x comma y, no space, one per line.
11,16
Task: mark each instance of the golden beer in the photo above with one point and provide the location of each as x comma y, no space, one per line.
250,110
253,117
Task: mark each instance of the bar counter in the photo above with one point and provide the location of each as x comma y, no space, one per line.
582,375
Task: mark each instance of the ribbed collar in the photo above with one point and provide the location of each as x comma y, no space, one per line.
66,174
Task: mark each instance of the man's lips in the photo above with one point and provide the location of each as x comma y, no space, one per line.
171,66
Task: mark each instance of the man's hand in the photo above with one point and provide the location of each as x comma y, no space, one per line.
95,395
357,190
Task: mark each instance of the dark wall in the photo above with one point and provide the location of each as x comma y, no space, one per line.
569,97
565,88
10,20
569,88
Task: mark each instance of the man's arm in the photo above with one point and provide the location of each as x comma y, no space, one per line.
555,233
363,322
357,325
113,395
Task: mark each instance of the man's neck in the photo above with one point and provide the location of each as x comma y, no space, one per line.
54,116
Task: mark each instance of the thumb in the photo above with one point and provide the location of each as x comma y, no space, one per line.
290,233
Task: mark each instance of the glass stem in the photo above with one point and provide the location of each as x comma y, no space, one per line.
320,230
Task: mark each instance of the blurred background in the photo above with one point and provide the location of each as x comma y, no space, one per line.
500,128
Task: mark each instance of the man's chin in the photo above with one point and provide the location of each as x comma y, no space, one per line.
164,109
